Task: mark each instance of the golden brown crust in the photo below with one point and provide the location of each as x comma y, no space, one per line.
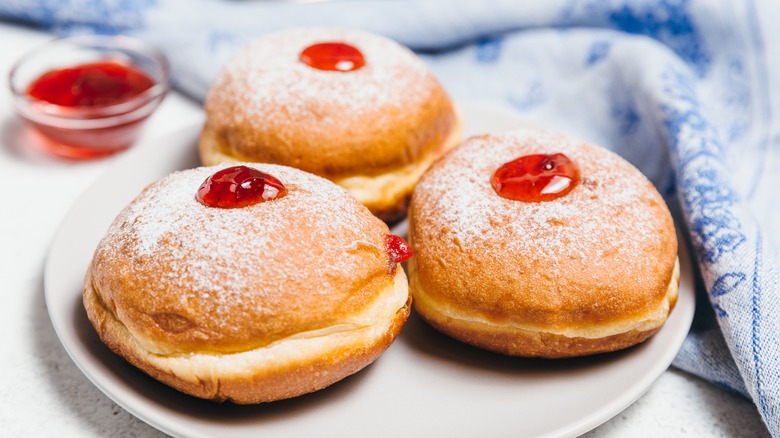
514,340
267,106
595,264
248,377
174,280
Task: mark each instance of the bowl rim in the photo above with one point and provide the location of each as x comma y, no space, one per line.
48,113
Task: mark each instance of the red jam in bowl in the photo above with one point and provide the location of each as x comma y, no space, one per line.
90,85
90,108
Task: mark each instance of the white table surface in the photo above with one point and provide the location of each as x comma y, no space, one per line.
42,392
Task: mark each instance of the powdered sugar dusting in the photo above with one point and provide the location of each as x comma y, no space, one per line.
236,265
271,83
613,211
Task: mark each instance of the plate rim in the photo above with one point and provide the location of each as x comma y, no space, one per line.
684,309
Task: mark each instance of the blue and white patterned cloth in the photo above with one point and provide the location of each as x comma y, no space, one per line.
687,90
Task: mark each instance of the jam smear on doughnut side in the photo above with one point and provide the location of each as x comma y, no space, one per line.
536,178
239,186
333,56
90,85
398,250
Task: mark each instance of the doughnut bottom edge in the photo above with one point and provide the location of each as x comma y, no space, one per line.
512,340
283,369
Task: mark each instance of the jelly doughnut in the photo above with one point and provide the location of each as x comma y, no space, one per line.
531,243
350,106
249,283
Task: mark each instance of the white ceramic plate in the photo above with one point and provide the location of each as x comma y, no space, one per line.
424,385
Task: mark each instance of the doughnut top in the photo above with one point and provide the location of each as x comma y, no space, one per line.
184,277
604,252
267,105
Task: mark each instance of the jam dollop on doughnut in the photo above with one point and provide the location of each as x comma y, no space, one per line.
536,177
239,186
398,250
333,56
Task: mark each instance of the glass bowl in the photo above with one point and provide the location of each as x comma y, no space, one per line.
100,128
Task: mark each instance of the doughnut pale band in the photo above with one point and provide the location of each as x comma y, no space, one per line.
296,365
516,339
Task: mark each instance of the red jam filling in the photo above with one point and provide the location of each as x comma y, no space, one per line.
536,178
398,250
239,186
333,56
90,85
